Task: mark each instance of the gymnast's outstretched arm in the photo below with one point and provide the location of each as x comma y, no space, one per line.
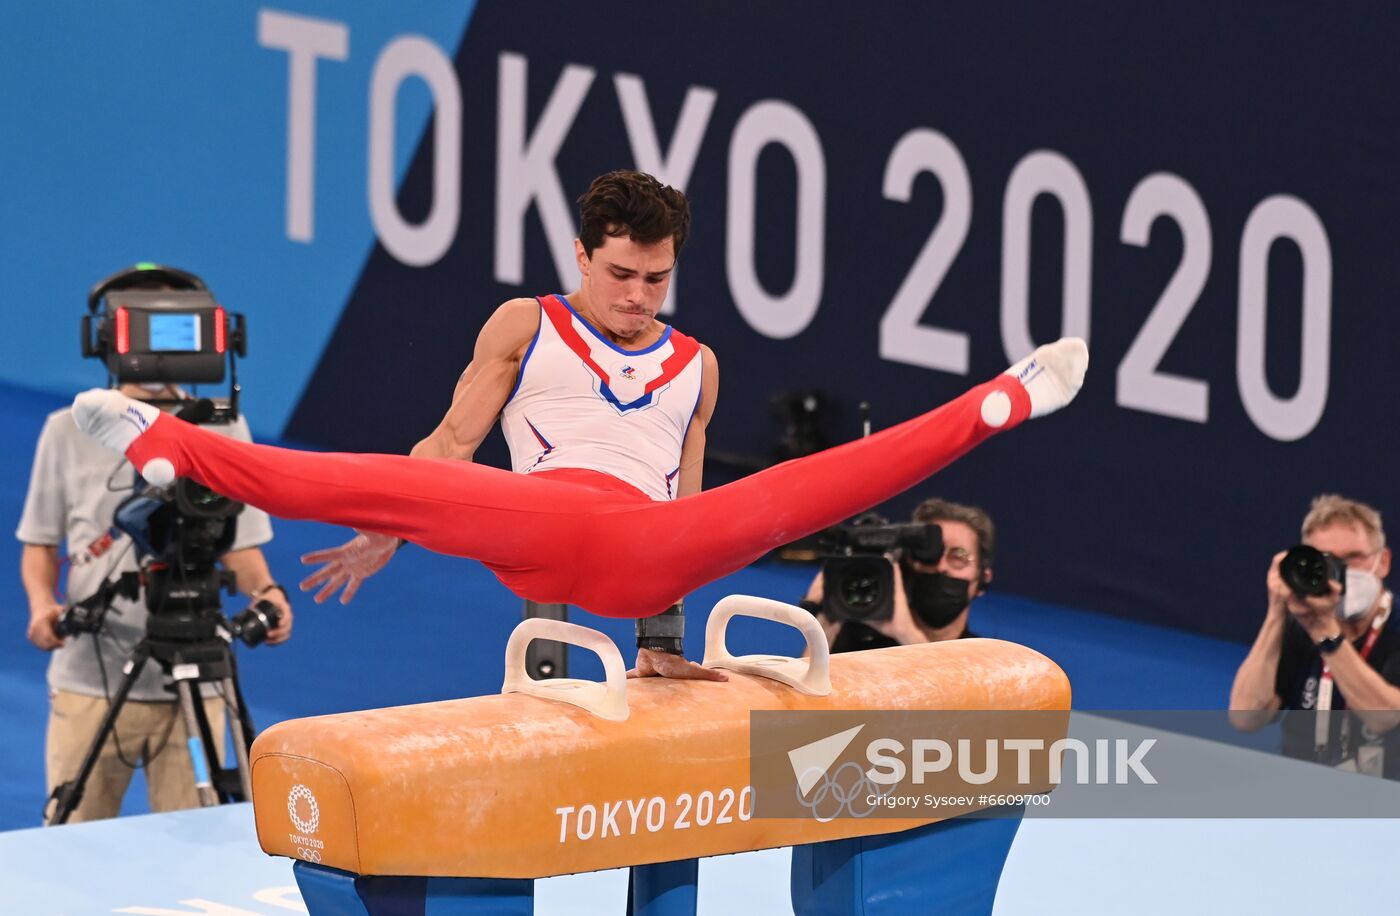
480,394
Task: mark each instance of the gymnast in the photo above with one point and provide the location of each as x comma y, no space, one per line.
604,409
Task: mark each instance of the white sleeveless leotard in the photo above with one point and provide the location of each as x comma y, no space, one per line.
583,402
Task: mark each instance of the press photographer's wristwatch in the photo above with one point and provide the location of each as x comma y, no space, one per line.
1330,644
664,632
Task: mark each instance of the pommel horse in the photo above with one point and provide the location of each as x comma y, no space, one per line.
457,806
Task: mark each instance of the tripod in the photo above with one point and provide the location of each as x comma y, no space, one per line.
192,648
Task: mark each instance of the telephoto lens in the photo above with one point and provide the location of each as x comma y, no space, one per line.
1307,571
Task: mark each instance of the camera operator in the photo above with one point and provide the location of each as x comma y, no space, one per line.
75,487
1328,643
931,600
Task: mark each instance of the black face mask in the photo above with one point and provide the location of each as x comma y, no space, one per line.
936,598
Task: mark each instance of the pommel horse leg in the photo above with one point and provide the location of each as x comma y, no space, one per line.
951,867
663,889
332,892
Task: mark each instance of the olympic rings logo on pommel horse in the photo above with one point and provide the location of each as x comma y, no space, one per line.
829,786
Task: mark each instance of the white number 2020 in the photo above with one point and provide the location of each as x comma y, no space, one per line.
1141,383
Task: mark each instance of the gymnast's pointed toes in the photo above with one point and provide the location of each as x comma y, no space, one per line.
112,418
1053,374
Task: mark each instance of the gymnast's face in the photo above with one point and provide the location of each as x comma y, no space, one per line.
625,283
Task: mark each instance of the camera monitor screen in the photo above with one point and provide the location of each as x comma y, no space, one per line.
175,331
167,336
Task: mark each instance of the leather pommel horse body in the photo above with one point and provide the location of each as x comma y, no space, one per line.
562,776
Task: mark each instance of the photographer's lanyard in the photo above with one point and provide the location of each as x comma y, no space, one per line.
1324,686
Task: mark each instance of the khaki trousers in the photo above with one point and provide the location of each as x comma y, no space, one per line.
151,735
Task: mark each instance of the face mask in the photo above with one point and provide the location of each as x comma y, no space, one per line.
1363,588
936,598
154,388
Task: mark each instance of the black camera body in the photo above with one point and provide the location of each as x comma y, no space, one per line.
1308,571
151,323
185,524
179,533
858,577
149,336
157,324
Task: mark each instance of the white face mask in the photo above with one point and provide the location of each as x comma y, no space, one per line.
1363,588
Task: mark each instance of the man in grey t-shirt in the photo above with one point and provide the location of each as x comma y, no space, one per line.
75,487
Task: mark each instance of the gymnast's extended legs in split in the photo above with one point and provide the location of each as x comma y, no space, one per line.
579,537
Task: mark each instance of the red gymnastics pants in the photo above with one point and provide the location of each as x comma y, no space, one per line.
574,536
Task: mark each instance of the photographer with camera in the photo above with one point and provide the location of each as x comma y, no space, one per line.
1328,643
936,568
76,488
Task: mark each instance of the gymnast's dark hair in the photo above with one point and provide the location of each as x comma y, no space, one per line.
632,204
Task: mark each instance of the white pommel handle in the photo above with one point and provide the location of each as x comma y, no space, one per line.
811,677
607,700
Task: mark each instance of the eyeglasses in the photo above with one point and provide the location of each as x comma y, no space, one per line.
1357,557
957,558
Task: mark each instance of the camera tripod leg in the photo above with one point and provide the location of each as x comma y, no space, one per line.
234,699
200,751
67,796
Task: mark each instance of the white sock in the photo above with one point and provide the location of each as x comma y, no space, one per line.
1053,374
115,420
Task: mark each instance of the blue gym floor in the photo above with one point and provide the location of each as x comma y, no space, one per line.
432,627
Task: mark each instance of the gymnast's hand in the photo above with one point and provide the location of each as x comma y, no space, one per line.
348,565
651,663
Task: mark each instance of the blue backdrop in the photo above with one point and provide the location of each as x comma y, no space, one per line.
892,203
